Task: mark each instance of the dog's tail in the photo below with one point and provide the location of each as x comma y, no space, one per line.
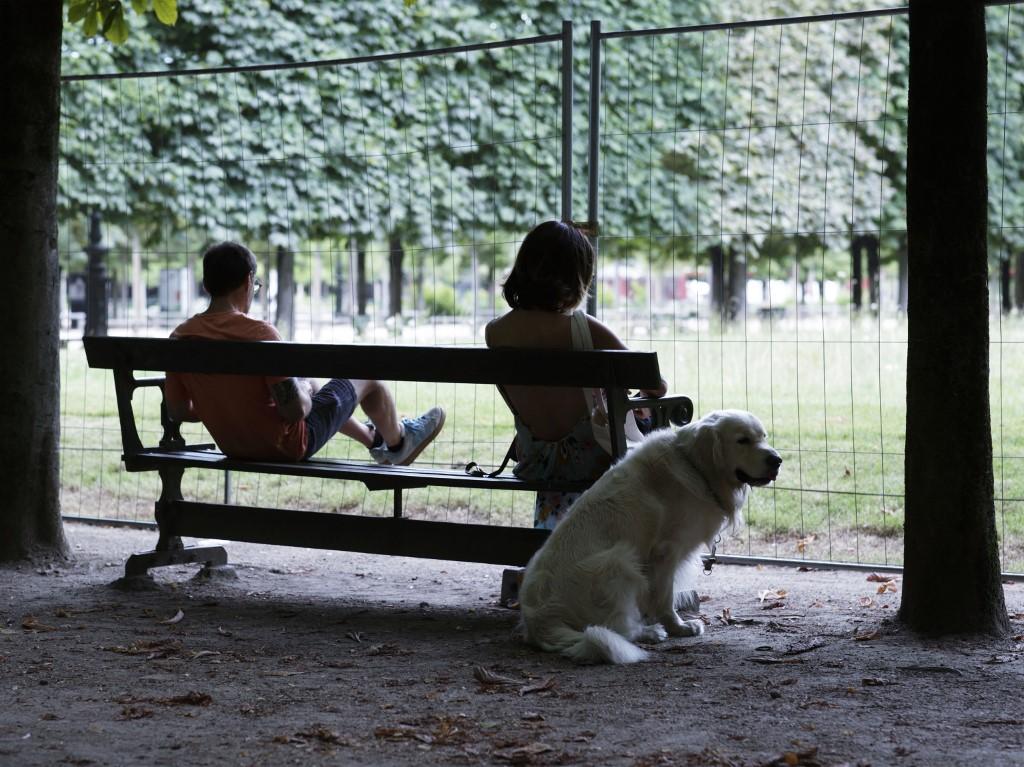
595,644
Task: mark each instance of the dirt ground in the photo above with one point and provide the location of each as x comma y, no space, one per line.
313,657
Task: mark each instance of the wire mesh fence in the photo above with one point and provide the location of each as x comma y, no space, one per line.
382,197
750,190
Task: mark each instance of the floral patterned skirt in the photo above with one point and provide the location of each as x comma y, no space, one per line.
576,456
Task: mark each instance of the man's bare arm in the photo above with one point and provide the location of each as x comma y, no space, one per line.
293,399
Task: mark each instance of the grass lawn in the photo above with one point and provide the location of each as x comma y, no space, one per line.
829,389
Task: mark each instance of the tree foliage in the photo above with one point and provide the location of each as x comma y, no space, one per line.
785,141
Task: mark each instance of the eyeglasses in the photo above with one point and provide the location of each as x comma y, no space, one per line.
257,283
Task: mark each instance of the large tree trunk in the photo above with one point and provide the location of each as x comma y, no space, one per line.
30,35
951,577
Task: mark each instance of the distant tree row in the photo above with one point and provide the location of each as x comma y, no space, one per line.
735,150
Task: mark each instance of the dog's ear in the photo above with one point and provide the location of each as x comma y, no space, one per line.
708,445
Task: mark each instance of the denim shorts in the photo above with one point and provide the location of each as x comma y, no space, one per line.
333,405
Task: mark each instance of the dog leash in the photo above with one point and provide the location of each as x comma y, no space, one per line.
709,560
474,469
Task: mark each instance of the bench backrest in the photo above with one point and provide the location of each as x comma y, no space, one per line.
452,364
615,371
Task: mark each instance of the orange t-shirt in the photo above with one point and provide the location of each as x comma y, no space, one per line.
238,411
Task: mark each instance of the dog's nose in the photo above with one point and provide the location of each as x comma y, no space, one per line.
774,461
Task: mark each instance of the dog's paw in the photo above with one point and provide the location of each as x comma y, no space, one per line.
690,628
652,633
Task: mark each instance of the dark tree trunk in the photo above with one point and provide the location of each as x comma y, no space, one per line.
874,272
951,577
30,37
339,288
396,259
284,317
1006,302
737,283
716,255
856,273
1018,282
362,289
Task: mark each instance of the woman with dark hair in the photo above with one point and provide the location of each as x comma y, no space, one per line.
554,436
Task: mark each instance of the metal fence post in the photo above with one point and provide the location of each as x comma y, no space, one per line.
594,146
566,120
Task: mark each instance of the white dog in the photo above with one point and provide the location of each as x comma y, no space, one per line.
608,573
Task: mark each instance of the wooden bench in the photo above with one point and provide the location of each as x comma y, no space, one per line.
614,371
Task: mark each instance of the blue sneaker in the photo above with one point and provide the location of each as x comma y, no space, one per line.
417,433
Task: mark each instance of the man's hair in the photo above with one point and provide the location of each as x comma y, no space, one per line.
226,265
553,269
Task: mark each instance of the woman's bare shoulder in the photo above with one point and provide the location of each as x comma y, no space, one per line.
526,328
603,336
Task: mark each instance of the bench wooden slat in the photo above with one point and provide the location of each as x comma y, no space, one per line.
375,477
458,541
453,364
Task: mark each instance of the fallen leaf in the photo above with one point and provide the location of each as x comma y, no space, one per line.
203,654
887,586
522,754
355,636
323,735
866,601
770,594
876,578
31,623
867,635
873,681
773,605
803,543
188,699
800,649
541,686
176,618
159,648
487,677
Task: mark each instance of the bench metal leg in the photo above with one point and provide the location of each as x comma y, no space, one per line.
169,548
140,564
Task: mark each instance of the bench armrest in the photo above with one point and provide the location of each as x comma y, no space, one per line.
672,409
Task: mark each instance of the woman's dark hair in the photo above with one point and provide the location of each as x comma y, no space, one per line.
553,269
226,265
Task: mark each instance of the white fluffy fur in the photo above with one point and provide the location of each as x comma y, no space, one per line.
608,574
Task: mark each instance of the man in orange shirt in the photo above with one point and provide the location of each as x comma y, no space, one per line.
275,418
